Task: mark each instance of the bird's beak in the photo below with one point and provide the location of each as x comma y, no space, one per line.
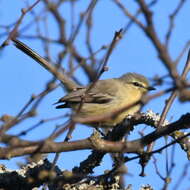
151,88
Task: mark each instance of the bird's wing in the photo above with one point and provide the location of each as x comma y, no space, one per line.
102,92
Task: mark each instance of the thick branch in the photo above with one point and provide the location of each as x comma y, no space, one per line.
135,146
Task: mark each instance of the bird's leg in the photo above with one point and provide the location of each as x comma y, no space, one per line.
98,129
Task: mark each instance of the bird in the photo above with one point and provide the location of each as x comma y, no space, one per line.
117,97
107,96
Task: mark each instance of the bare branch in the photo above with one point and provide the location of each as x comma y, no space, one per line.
69,84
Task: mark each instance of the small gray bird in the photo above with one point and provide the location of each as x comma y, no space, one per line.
106,97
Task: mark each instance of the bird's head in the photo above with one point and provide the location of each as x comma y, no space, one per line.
137,81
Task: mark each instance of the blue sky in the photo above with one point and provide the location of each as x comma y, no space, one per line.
20,76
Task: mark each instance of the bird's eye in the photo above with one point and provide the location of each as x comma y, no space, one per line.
137,84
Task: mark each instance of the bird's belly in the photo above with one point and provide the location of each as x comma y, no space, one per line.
110,113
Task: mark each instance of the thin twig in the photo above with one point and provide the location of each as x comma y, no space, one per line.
13,33
171,21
